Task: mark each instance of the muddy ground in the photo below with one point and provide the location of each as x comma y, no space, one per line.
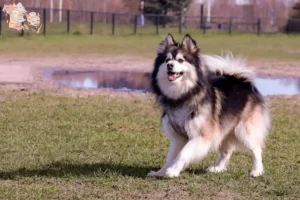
26,73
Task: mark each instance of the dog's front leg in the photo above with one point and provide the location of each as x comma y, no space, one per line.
194,150
177,142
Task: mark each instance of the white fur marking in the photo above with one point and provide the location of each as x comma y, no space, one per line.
179,56
181,85
177,142
169,56
193,151
227,65
257,168
222,162
193,127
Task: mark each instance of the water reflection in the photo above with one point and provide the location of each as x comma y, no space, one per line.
118,80
273,86
139,81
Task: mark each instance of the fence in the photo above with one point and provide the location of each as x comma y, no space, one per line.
90,22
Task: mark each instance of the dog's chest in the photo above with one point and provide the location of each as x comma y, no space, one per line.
188,122
178,118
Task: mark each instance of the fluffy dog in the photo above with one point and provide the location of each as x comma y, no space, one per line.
208,103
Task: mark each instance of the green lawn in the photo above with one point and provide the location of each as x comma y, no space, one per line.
265,47
55,147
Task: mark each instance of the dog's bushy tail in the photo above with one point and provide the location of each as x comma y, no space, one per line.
227,65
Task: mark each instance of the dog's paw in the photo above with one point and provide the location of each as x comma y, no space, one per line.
171,173
256,173
216,169
154,173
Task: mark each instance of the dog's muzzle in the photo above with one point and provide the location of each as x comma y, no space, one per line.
172,76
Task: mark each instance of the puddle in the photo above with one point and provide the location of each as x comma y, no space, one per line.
278,85
139,81
126,81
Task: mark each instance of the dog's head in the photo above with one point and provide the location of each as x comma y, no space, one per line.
177,67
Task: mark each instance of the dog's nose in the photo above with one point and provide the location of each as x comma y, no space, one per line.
170,66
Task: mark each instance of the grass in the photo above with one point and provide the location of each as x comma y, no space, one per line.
265,47
55,147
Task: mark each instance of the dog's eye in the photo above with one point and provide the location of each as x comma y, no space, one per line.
180,60
167,60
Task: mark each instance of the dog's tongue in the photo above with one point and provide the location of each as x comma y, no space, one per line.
172,77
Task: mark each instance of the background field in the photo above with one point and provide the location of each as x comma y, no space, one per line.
72,144
264,47
73,148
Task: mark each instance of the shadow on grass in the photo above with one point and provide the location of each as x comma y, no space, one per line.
61,169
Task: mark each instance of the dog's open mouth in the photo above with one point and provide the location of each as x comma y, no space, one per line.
172,76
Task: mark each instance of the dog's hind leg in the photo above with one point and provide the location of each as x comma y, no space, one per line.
252,134
257,168
247,137
226,149
177,142
194,150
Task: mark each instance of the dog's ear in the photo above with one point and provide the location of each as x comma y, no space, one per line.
190,44
167,41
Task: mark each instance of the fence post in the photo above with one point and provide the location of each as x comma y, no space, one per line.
258,26
288,26
92,23
180,24
164,21
68,21
0,21
113,21
201,15
44,20
230,26
156,23
135,24
22,31
204,26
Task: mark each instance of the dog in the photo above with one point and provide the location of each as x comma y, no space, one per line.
208,103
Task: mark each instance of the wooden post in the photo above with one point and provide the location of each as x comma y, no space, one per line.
201,16
92,23
0,21
135,24
68,21
230,26
204,26
44,21
180,24
113,21
22,31
157,23
288,27
258,26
